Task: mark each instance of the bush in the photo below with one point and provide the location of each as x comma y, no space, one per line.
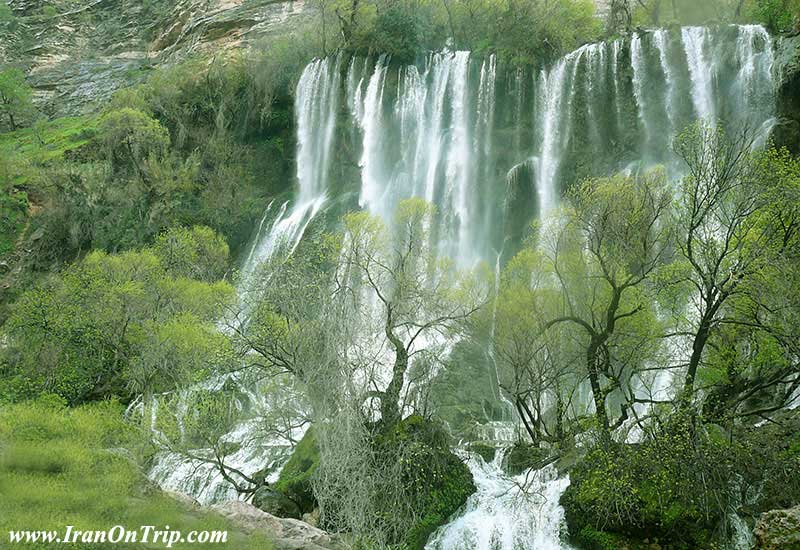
681,484
777,15
401,32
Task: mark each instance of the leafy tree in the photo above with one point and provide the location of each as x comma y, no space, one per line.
127,138
720,240
195,253
535,366
15,97
752,366
117,325
602,258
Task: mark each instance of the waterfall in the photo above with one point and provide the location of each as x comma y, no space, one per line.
639,68
695,43
492,147
317,99
506,512
552,84
661,40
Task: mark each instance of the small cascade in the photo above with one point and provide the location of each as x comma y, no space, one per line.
317,101
552,108
661,41
639,68
507,513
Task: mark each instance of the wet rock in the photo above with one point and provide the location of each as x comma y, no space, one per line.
275,503
779,530
787,76
78,57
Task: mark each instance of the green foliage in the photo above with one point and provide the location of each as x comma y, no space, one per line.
195,253
776,15
115,325
296,475
16,105
61,466
400,31
127,138
527,32
680,484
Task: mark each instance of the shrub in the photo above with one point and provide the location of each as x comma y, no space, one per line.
680,484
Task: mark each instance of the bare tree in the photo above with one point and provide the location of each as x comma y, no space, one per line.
720,238
411,293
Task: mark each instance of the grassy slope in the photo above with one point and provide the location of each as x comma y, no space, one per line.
63,467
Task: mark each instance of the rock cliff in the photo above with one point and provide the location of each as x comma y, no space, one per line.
76,54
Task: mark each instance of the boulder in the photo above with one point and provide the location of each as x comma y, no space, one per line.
779,530
288,534
296,475
275,503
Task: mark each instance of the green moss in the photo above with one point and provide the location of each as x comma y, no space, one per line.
676,486
295,478
484,450
437,481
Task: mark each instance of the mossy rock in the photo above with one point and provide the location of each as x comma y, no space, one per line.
438,482
523,456
484,450
295,478
276,503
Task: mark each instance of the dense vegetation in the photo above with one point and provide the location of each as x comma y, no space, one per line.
119,235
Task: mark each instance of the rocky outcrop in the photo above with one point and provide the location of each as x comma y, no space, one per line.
779,530
275,503
77,57
787,69
288,534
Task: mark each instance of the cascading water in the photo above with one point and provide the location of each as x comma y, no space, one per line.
491,148
507,512
317,101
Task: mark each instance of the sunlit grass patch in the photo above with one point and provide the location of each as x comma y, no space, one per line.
61,466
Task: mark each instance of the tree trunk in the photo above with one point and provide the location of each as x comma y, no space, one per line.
521,413
390,408
594,381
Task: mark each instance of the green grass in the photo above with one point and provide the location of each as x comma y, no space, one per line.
23,154
62,467
48,140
